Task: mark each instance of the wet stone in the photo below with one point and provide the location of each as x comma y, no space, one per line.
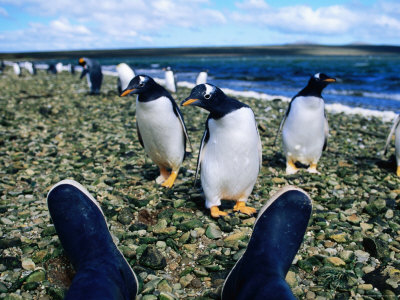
213,231
189,225
7,243
152,258
125,216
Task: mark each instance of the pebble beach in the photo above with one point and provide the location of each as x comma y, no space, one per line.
51,129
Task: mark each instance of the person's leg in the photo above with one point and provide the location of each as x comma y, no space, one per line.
102,271
277,235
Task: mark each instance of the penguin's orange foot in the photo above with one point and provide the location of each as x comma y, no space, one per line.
241,206
398,171
215,212
164,174
291,168
171,179
313,169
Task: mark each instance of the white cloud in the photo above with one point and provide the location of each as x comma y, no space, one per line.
63,26
3,12
301,19
133,23
77,24
362,22
252,4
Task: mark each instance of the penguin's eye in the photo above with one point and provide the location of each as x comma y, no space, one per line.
141,85
207,96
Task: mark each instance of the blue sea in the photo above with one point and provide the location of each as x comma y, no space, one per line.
371,82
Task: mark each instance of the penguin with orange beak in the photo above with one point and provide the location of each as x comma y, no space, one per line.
92,70
160,127
230,150
305,127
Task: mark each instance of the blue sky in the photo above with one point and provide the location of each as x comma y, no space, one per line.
36,25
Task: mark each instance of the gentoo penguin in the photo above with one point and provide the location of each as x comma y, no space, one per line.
71,68
92,70
230,150
52,69
396,130
160,126
2,66
30,67
305,127
125,75
17,69
202,77
170,82
59,67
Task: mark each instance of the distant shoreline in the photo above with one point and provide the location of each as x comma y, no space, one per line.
304,50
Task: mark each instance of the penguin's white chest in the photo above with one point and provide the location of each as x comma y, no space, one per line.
230,162
303,133
161,131
170,81
125,74
201,78
397,144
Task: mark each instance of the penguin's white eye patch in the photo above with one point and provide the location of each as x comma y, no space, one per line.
317,76
207,96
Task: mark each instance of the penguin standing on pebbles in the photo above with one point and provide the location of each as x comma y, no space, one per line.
125,75
160,126
17,69
92,70
305,127
230,150
170,82
396,130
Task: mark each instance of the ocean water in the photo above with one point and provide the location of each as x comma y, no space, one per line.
371,82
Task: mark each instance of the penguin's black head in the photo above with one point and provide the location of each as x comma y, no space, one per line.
316,84
82,62
320,80
206,96
138,85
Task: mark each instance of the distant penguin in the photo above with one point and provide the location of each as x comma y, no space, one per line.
59,67
396,130
230,150
51,69
202,77
30,67
170,82
71,69
125,75
92,70
2,66
305,127
160,126
17,69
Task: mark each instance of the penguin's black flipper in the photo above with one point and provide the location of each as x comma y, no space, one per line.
204,140
139,135
84,72
119,86
392,130
283,121
178,113
326,133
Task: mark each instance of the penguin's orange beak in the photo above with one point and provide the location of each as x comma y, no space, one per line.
126,92
81,60
330,80
189,101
